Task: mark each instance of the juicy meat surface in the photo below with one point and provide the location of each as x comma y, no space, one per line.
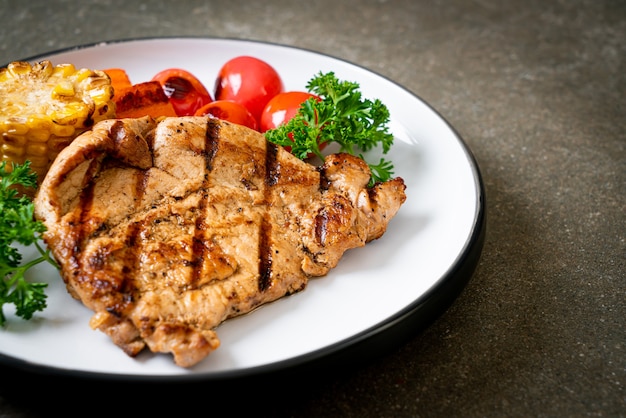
166,229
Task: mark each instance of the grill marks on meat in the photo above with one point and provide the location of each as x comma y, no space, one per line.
166,229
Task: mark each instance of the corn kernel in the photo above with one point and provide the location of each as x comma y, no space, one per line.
64,70
35,149
82,74
13,150
101,92
39,135
13,128
39,122
16,140
64,88
38,163
56,144
18,68
62,130
72,114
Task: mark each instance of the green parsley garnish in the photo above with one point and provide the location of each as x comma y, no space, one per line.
18,225
342,116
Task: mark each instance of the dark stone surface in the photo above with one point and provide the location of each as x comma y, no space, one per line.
536,89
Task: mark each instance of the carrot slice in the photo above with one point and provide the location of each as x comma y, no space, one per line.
119,78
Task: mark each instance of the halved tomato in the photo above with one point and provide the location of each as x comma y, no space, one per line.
230,111
186,93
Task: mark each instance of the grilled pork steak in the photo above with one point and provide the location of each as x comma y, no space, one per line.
166,229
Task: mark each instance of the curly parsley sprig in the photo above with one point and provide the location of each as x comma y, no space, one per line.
18,225
342,116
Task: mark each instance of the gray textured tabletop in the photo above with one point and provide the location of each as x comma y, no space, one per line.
536,89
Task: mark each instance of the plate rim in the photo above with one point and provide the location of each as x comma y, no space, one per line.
387,334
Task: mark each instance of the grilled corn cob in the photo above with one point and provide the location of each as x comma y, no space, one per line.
44,107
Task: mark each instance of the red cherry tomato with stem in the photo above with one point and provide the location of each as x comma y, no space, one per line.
186,93
230,111
249,81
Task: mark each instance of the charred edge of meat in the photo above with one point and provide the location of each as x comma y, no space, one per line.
132,241
372,193
150,141
265,254
85,204
211,142
321,222
117,132
324,181
248,184
332,214
272,166
141,182
199,247
272,172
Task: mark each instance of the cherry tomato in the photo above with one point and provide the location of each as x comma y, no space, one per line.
186,93
230,111
249,81
282,107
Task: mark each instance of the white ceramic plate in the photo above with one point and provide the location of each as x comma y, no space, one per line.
407,277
